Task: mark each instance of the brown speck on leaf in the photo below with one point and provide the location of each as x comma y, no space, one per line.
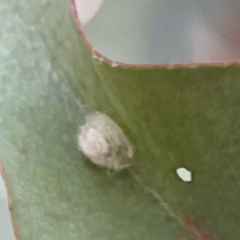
183,238
23,150
206,220
196,230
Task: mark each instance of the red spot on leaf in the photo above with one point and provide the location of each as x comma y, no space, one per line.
206,220
197,231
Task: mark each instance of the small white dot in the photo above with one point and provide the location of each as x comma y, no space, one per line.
184,174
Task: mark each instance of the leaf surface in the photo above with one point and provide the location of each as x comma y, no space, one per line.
175,117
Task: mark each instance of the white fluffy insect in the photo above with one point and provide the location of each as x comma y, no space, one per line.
104,142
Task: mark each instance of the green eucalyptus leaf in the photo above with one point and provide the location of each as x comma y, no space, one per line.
176,117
